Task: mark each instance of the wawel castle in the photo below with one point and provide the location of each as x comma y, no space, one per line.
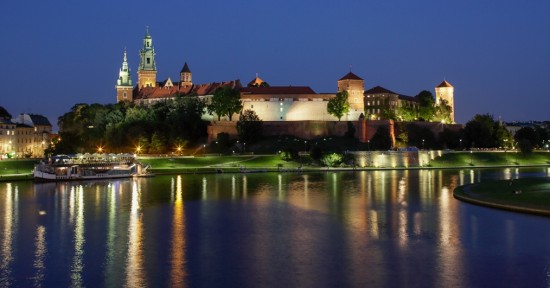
275,105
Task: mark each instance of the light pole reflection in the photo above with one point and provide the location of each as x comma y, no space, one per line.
10,227
134,262
177,272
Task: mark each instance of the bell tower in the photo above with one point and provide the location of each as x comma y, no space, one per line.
186,77
124,83
147,72
446,92
355,86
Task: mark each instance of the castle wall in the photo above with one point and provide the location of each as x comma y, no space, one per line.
364,130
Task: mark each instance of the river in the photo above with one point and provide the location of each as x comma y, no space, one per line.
398,228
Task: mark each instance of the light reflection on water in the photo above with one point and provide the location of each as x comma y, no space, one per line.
377,228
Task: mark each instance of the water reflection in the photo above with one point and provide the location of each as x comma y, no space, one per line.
77,218
10,229
39,256
177,272
134,262
368,228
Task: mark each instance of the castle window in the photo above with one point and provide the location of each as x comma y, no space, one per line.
148,60
251,106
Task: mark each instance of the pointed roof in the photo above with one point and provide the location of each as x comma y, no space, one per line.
185,69
147,35
444,84
256,81
350,76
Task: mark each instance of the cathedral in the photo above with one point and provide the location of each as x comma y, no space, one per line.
271,103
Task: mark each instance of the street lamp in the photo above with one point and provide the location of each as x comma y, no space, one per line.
460,144
368,144
305,146
244,147
422,144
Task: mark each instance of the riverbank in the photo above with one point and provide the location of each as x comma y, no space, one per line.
527,195
21,169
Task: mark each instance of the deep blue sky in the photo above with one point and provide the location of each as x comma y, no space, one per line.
496,53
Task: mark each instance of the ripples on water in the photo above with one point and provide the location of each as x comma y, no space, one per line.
345,229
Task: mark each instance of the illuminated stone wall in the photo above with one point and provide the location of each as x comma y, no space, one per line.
364,130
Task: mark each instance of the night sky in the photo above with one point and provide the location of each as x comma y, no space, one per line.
496,54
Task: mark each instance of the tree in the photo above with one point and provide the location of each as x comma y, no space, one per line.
442,112
426,110
338,106
249,126
527,139
225,102
157,145
480,131
332,159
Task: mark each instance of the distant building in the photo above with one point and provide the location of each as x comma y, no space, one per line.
148,90
378,99
271,103
32,135
26,135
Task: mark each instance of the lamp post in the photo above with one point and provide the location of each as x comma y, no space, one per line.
422,144
244,147
505,151
460,144
368,145
305,146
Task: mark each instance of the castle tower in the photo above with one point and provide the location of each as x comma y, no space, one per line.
186,77
445,91
355,86
147,72
124,83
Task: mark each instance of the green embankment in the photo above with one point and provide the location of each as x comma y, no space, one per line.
215,163
458,159
530,195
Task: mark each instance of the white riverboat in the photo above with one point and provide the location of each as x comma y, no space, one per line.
89,167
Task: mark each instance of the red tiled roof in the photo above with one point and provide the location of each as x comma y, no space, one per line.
196,89
278,90
350,76
444,84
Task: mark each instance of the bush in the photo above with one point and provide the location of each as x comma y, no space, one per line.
332,159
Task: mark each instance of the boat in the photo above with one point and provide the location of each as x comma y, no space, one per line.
89,167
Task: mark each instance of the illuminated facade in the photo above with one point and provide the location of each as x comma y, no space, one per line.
26,135
446,92
271,103
378,99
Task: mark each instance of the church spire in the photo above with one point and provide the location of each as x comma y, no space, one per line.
124,83
147,72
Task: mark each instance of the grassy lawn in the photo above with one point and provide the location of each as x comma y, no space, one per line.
211,163
534,193
490,159
24,166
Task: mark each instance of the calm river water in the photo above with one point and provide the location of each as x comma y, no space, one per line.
343,229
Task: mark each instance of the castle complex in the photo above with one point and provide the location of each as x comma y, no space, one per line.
271,103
